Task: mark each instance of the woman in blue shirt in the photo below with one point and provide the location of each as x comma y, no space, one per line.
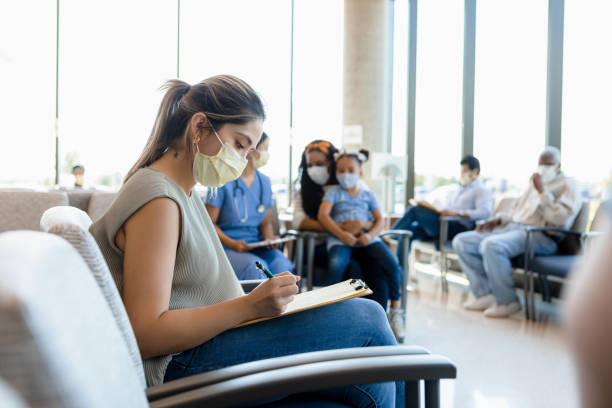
241,211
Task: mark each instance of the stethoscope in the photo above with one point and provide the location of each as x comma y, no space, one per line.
260,208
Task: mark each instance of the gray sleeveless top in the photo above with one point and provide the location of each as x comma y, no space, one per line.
202,274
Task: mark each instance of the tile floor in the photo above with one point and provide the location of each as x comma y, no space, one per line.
503,363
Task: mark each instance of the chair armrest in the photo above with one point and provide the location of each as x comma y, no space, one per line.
313,234
250,284
593,234
396,232
451,218
314,376
588,237
292,233
530,229
253,367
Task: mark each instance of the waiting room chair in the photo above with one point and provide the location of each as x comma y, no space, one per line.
9,398
77,197
73,224
559,265
22,209
99,203
61,346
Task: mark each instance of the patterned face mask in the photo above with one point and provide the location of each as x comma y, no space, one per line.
348,180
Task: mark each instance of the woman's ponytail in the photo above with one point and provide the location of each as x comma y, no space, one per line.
222,98
166,123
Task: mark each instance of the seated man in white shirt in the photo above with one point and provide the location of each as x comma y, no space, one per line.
472,202
551,200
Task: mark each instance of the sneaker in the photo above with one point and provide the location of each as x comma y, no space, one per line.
503,310
396,321
481,303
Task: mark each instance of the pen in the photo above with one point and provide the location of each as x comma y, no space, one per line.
263,269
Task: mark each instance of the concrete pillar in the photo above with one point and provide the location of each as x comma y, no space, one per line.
368,76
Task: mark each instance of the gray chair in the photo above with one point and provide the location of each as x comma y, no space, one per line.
10,398
559,265
73,224
99,203
22,209
67,350
77,197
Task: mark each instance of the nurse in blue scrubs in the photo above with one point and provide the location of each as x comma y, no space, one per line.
241,212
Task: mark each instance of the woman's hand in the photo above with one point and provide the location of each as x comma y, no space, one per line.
364,239
273,295
239,246
347,238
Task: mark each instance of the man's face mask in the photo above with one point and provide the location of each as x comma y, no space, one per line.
548,172
215,171
466,178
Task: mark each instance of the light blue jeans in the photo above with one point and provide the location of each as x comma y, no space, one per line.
485,258
351,323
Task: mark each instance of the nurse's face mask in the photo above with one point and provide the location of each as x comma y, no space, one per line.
223,167
262,159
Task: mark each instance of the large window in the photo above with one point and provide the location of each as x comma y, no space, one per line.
113,59
587,95
317,74
438,95
254,45
510,92
27,93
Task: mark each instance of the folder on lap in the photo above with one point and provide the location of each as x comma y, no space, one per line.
271,242
348,289
425,204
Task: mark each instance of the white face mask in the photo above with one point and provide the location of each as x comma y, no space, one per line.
215,171
465,178
547,172
263,159
318,174
348,180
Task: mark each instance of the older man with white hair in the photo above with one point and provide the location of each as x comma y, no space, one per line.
551,200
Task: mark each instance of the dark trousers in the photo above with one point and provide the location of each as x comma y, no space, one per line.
381,261
424,225
360,266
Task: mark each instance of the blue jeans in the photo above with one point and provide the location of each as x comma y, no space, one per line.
485,258
243,263
380,257
424,225
352,323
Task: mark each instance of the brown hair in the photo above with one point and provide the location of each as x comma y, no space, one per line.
222,98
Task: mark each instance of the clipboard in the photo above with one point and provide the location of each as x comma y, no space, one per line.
271,242
350,288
